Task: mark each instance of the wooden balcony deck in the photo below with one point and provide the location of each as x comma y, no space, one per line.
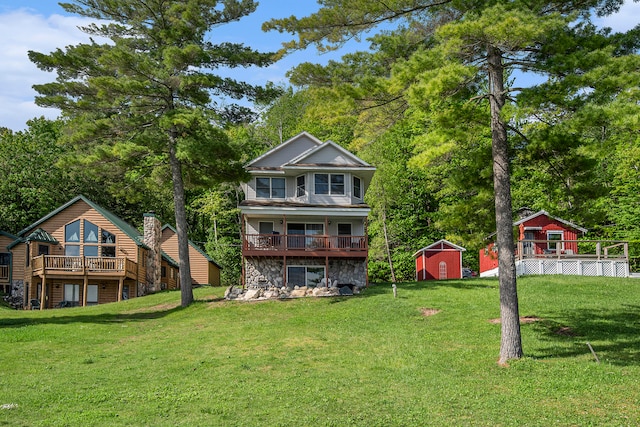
53,265
573,249
304,245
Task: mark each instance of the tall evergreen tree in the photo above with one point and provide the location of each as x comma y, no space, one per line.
469,49
147,96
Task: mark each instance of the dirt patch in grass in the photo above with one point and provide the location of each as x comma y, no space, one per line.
426,312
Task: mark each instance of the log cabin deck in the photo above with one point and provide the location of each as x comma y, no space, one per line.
54,265
298,245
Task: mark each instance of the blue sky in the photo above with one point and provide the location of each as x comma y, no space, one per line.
43,26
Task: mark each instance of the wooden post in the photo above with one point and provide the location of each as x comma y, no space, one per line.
84,290
43,292
598,244
120,287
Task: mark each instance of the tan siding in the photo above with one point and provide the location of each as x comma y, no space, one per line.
202,271
125,246
19,261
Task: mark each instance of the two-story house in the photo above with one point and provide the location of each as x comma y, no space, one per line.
82,254
304,219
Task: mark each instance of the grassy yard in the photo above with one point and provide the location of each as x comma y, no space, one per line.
427,357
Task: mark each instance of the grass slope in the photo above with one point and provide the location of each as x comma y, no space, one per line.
369,360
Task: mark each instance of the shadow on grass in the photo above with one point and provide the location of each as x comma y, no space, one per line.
613,333
79,316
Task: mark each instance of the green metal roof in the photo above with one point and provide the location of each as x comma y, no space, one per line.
40,235
125,227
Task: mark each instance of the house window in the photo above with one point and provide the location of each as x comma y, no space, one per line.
329,183
163,271
265,227
300,186
305,275
72,293
554,238
92,294
108,244
5,258
72,232
270,188
357,187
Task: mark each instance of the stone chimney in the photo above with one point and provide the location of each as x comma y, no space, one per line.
152,235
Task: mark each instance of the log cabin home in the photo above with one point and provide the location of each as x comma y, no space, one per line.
204,270
550,245
5,261
304,219
81,254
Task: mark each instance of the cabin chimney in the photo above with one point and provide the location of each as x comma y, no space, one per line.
152,234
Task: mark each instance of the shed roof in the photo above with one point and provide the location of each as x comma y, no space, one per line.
440,246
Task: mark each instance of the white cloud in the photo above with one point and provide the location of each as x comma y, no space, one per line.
627,18
20,32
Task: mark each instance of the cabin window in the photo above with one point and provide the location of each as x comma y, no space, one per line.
108,239
72,232
90,232
163,271
357,187
305,275
72,293
270,188
72,250
329,183
300,186
265,227
5,259
554,238
92,294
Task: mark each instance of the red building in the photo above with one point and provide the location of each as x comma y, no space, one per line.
538,234
438,261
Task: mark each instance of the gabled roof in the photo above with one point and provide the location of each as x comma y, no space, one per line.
125,227
305,151
439,245
40,235
545,213
355,161
9,235
284,145
193,245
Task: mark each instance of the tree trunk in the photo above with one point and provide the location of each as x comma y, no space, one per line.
511,342
186,291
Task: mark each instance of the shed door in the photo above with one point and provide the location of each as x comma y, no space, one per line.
442,270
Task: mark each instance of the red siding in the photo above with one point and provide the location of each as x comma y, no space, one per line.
428,263
488,258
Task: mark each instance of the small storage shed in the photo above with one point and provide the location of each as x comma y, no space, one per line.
439,261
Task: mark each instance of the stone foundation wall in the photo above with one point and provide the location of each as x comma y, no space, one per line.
269,272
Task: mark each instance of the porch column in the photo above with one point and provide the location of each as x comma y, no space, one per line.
120,285
85,287
43,292
284,271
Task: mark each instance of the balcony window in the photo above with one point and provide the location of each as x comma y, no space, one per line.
270,188
357,187
329,183
5,258
300,186
108,244
90,232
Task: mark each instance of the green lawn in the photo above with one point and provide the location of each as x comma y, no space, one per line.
368,360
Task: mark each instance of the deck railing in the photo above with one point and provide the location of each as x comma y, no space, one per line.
302,242
56,263
594,249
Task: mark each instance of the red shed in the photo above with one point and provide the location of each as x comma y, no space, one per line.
438,261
